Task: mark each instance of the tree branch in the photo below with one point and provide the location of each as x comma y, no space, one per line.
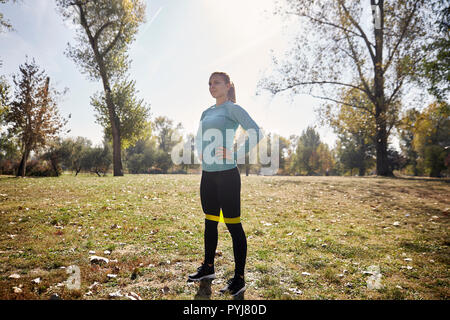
84,22
111,45
396,90
333,100
329,24
78,2
405,28
400,83
344,103
322,82
358,67
363,34
103,27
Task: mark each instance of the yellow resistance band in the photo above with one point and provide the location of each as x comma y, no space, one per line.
222,219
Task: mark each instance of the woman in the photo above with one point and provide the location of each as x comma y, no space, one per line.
220,185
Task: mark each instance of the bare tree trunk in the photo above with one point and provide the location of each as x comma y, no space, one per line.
54,163
381,149
415,170
380,101
23,163
362,171
114,120
115,129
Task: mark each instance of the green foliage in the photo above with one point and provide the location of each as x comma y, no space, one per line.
77,154
436,65
9,146
74,150
105,30
131,112
406,133
354,151
152,153
284,145
425,139
142,156
396,161
311,156
306,155
434,160
41,168
4,98
168,135
97,159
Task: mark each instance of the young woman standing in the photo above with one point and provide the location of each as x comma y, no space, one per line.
220,185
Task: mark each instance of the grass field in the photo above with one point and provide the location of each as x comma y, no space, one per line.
308,237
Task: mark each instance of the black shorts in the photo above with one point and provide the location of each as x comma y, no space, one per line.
221,190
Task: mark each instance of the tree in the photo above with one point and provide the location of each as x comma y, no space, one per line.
4,101
284,145
107,28
432,138
406,133
4,97
73,150
311,156
9,150
307,159
131,112
168,136
291,165
97,159
142,155
55,154
396,160
33,113
436,65
338,49
353,123
355,151
326,159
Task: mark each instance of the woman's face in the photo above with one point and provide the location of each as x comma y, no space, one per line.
217,86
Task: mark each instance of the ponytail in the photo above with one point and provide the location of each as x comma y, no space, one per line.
232,93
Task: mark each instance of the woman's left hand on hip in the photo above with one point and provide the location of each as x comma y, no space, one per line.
222,152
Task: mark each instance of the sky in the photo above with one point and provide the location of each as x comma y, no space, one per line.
173,55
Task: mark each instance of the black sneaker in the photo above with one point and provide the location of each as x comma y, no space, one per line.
234,286
203,272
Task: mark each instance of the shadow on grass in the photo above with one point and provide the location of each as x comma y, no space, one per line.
425,179
204,291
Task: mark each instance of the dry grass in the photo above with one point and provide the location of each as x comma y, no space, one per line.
153,226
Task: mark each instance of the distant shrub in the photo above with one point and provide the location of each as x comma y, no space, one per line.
8,166
40,168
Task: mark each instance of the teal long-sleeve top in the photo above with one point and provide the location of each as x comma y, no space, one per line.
217,128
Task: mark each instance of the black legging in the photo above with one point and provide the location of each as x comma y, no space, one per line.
222,189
